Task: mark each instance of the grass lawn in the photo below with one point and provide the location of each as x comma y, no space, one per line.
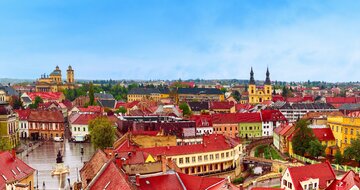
267,152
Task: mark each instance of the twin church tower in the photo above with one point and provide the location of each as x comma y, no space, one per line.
258,94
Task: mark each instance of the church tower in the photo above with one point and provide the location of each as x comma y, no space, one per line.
267,84
252,87
70,75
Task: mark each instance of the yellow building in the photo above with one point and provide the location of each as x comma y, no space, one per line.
141,94
345,129
258,94
199,94
54,83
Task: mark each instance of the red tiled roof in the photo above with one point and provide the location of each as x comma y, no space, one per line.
243,106
97,109
13,169
84,119
202,120
45,95
175,182
211,143
282,129
48,116
23,114
132,104
340,100
120,104
92,167
162,182
198,183
324,173
221,105
354,114
276,98
111,178
266,188
236,118
323,134
349,180
149,133
272,115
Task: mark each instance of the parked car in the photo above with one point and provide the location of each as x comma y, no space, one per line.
58,139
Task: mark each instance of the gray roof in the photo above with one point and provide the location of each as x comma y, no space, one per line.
307,106
144,91
107,103
26,99
104,96
9,90
199,91
198,106
349,107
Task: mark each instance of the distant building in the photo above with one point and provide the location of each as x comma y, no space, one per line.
141,94
258,94
199,94
54,82
296,111
7,92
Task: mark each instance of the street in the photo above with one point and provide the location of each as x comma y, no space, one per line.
43,159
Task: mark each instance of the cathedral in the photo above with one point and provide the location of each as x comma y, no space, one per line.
54,83
258,94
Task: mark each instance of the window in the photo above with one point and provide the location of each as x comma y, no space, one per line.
337,128
305,187
198,169
211,157
290,185
206,157
199,158
74,128
345,140
351,131
187,160
217,156
193,159
315,185
222,155
181,160
174,160
83,128
346,130
227,155
285,182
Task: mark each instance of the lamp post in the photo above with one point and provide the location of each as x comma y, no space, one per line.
69,183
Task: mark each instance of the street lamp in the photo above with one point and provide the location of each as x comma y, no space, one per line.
69,183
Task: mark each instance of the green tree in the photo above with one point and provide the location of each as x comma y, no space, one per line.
236,95
36,103
121,109
102,132
338,157
16,102
353,151
185,108
316,149
91,94
302,137
4,144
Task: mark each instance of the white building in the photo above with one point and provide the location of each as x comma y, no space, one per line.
295,111
79,126
270,120
23,123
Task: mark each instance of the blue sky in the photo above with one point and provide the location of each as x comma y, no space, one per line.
171,39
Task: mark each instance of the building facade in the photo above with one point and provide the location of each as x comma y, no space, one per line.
54,83
9,127
199,94
258,94
46,124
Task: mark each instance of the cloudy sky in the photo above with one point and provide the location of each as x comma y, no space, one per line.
171,39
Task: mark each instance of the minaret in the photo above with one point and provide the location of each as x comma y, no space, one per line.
70,75
267,80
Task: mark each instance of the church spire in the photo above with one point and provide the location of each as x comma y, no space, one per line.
267,80
252,80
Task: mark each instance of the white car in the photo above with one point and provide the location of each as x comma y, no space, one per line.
58,139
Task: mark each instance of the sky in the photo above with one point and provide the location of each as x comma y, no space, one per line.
187,39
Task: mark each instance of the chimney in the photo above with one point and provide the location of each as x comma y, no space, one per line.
241,187
163,163
13,152
137,180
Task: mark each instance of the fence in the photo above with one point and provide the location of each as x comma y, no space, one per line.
337,167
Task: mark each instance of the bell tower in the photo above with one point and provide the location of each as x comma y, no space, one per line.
70,75
267,84
252,88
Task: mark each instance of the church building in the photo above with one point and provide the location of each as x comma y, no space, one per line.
258,94
54,82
